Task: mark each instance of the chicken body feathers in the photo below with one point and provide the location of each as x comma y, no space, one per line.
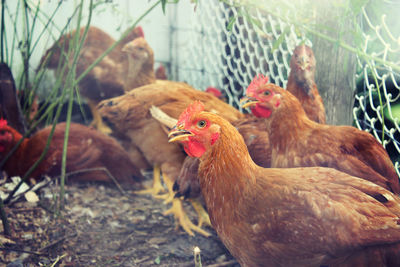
294,216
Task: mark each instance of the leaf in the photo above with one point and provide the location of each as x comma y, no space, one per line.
163,4
280,39
157,260
395,108
232,21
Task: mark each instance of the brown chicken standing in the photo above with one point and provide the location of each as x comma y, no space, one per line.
284,217
145,139
107,79
87,148
297,141
301,83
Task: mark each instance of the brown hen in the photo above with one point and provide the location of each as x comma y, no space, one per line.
297,141
301,83
144,137
286,217
87,149
107,79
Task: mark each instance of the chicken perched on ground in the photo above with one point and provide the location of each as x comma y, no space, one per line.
297,141
109,78
285,217
87,148
301,83
145,139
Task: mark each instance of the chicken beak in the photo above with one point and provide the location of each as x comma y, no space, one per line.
303,63
178,134
127,48
248,101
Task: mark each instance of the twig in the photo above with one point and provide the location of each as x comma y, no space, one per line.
58,259
22,250
97,169
225,263
56,242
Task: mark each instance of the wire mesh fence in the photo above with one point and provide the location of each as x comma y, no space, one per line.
227,53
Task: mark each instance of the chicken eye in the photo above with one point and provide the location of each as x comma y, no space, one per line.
267,93
201,124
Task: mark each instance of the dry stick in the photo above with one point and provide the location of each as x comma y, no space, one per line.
56,242
98,169
22,250
225,263
40,251
58,259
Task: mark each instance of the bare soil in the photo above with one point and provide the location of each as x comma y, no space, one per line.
102,227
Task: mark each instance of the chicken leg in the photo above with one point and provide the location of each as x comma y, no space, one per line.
157,186
179,214
97,120
168,197
202,214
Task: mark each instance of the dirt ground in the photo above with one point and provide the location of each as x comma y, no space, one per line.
101,226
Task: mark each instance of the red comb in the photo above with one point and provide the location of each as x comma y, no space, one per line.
195,107
256,83
140,32
3,123
214,91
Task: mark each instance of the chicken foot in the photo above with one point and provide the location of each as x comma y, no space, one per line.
157,186
202,214
168,197
181,217
97,120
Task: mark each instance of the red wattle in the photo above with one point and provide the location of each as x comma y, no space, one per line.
261,112
194,149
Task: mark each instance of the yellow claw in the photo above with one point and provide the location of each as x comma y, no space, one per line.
157,186
181,217
183,220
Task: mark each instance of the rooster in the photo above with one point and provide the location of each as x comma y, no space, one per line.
289,216
87,149
144,138
107,79
297,141
301,83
